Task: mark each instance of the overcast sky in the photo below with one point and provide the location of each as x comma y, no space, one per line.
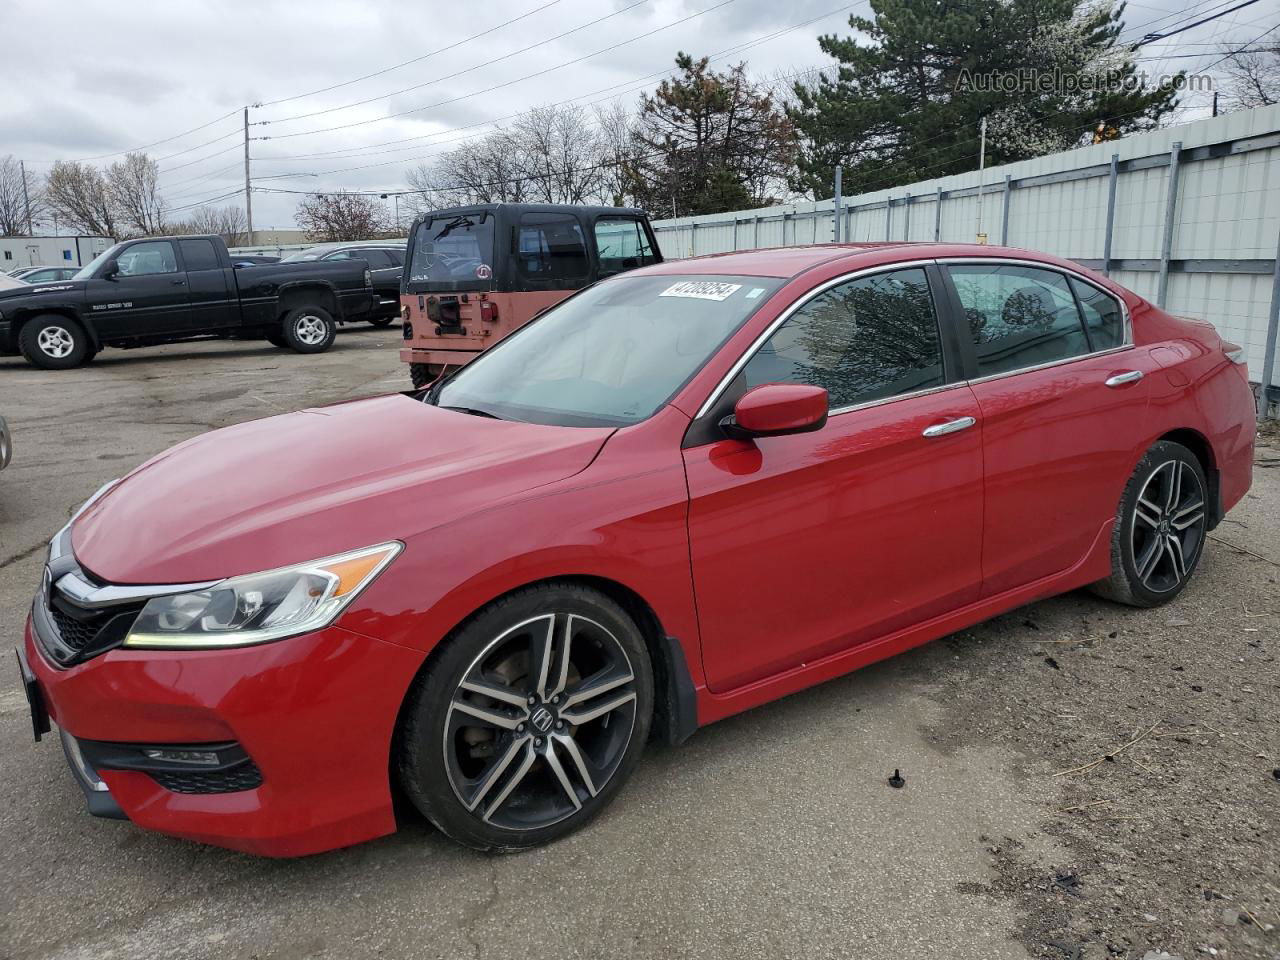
91,80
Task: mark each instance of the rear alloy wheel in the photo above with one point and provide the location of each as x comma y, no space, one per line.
309,329
1160,528
53,343
530,720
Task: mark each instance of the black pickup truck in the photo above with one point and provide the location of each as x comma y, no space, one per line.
166,289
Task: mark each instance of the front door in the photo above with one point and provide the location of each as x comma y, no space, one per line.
1063,411
803,546
147,296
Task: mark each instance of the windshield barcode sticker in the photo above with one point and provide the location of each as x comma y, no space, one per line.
701,290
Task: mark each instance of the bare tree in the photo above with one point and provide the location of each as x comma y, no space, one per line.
134,188
80,195
330,217
619,153
1253,78
561,153
486,170
225,222
21,200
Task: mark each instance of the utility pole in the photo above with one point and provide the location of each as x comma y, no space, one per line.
248,200
982,163
26,199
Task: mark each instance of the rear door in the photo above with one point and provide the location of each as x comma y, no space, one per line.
146,297
807,545
210,290
1063,406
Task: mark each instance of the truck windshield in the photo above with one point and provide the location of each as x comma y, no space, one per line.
453,252
612,355
90,268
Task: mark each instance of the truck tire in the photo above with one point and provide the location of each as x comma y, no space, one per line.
276,339
309,329
383,321
53,342
423,374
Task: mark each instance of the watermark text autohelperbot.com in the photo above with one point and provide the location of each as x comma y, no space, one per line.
1030,80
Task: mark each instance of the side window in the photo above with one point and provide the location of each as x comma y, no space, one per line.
146,259
550,250
1103,316
339,255
377,259
1018,316
396,257
867,339
621,244
199,255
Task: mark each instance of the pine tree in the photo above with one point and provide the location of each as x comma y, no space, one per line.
707,142
906,105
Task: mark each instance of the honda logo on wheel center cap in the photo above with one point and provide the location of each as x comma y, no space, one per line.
542,719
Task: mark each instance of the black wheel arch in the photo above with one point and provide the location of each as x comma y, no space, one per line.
21,318
302,293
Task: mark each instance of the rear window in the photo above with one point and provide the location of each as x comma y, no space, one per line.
551,252
452,253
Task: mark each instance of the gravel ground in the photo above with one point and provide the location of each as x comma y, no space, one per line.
772,833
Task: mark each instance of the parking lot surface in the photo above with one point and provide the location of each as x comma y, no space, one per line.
774,833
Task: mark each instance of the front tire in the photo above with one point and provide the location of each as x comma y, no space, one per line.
529,720
423,374
309,329
383,321
1160,528
53,342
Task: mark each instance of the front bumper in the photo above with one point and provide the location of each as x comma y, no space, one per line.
315,714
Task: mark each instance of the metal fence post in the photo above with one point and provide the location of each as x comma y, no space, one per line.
937,218
735,231
1112,176
1269,354
1170,208
906,219
835,209
755,232
1004,224
888,219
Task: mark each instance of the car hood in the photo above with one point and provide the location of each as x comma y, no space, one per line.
307,485
34,289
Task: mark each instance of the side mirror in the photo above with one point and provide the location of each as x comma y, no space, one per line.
777,409
110,272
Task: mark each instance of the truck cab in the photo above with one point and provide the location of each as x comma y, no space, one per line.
474,274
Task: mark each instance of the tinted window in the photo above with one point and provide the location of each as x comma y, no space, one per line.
1103,318
199,254
550,250
864,340
377,259
396,257
453,253
145,259
621,244
1018,316
340,255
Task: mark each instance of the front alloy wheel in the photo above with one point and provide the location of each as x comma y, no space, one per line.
542,714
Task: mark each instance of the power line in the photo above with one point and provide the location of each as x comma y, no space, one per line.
405,63
148,146
459,73
1153,37
500,86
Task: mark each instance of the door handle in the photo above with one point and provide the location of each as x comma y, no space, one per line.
951,426
1120,379
178,283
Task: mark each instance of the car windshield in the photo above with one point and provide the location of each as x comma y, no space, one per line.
88,270
610,356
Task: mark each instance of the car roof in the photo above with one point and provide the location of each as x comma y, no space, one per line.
518,208
788,262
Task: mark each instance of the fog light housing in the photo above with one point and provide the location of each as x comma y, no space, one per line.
203,757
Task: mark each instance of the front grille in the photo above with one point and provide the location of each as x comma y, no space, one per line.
74,633
246,776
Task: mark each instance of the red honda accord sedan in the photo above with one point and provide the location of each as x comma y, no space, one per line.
680,493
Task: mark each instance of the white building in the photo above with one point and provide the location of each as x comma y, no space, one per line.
49,251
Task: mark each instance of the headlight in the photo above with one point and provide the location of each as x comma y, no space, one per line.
260,607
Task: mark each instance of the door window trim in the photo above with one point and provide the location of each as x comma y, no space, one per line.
967,345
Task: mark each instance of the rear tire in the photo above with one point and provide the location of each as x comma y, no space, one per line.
383,321
277,340
309,329
1160,528
529,719
53,342
423,374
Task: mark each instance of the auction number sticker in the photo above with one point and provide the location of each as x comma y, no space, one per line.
701,290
